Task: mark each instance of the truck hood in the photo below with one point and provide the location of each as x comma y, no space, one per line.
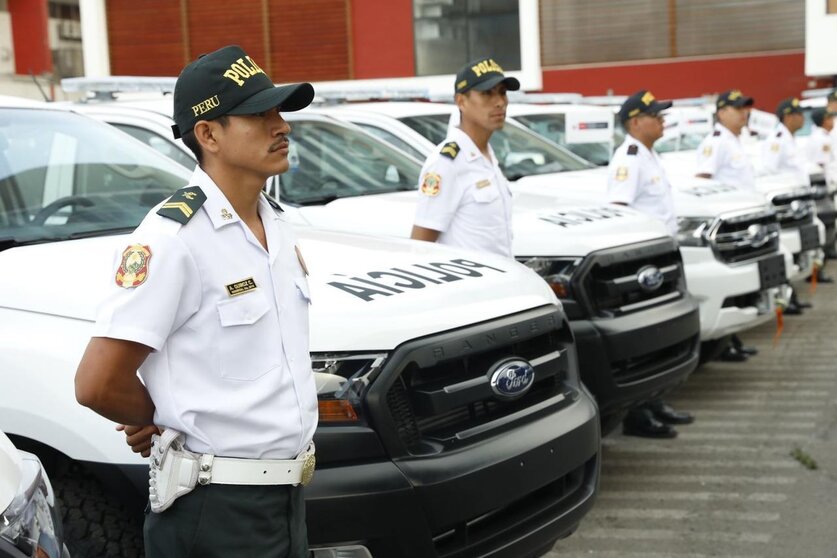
543,224
367,293
693,196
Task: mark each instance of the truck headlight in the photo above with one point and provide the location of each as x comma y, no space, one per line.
31,522
691,231
557,272
341,380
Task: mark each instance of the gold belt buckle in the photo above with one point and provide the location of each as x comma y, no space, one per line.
308,469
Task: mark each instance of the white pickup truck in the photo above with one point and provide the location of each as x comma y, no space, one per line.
406,340
733,295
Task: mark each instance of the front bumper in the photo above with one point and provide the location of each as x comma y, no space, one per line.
636,357
723,291
508,496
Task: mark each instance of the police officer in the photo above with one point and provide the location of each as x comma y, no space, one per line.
721,156
780,152
464,199
819,148
636,178
194,303
831,106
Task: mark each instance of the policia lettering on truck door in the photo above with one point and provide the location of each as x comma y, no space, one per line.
464,199
194,303
721,156
636,178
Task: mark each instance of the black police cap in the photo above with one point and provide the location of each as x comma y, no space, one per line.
788,106
482,75
227,81
641,102
733,98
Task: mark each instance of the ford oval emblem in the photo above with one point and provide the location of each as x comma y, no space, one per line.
650,278
511,378
757,234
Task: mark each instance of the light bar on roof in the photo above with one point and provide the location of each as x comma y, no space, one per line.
390,94
118,84
544,98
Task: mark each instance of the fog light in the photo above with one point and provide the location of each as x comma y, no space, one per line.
352,551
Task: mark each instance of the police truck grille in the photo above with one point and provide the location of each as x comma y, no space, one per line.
441,397
740,238
631,278
794,209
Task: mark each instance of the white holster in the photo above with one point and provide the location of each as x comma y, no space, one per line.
174,470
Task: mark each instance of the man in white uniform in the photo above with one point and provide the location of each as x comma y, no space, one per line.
721,155
636,178
819,148
464,199
780,152
194,303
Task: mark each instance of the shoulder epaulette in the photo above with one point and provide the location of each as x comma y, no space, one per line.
273,203
450,150
633,149
779,134
182,205
716,133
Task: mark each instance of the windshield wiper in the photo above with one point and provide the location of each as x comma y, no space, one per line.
96,232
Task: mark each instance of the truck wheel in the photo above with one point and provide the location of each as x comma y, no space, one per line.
94,524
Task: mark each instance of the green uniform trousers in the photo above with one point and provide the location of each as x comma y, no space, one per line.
220,520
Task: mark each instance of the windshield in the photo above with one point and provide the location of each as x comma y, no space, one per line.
681,142
66,176
519,152
553,128
329,160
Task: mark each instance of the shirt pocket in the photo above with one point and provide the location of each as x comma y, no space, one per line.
486,194
248,339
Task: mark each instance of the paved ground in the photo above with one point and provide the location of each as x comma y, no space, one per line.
729,485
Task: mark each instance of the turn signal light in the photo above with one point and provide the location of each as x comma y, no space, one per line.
336,410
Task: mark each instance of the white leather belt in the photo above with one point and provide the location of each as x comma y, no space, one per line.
230,470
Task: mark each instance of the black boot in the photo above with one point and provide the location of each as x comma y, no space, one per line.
641,422
665,413
738,344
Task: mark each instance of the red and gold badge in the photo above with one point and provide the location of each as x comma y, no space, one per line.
133,271
430,184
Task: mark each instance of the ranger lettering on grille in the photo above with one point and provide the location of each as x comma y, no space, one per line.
581,216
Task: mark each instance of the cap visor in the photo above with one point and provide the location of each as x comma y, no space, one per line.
743,102
658,106
511,83
287,98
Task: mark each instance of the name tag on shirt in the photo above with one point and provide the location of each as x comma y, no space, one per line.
241,287
483,183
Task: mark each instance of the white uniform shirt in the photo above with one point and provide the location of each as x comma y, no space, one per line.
465,197
228,322
722,155
781,154
818,149
635,177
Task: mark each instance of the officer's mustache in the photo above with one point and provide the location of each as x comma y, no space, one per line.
283,141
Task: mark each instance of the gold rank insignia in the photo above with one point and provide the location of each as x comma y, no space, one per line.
430,184
183,204
226,215
133,271
622,173
774,147
707,151
301,260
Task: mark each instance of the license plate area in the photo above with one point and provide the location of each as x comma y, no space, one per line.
772,271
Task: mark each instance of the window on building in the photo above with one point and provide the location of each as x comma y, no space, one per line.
450,33
589,31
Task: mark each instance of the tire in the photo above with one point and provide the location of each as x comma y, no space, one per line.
95,525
